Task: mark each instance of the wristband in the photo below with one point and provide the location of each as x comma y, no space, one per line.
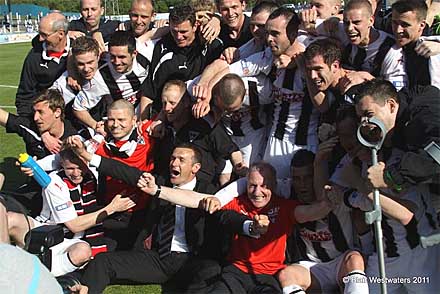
159,189
389,180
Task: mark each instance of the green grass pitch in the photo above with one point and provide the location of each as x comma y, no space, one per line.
11,60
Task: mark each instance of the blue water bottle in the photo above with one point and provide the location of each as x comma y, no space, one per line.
40,175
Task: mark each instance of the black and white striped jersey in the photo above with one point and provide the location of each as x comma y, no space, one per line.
407,68
399,239
325,239
108,82
370,57
295,118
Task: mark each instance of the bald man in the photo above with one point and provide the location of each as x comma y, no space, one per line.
44,63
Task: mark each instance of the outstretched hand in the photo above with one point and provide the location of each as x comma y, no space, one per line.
147,183
210,204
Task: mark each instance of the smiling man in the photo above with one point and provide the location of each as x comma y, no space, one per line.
121,78
70,200
178,55
326,79
45,62
417,57
91,21
48,118
85,56
207,133
412,121
235,30
174,238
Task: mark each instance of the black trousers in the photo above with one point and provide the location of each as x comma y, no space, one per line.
235,281
138,266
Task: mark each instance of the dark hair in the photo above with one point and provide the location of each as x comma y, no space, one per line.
123,38
292,20
270,173
54,98
359,4
68,154
327,48
217,2
182,13
229,88
346,111
380,90
418,6
302,158
265,5
84,45
197,157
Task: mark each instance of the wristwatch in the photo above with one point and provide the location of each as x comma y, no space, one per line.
159,189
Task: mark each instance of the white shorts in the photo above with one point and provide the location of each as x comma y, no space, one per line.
58,268
279,153
327,273
414,272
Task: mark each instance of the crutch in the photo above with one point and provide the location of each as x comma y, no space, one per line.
375,216
434,151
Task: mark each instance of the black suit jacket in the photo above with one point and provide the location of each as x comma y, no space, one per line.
203,233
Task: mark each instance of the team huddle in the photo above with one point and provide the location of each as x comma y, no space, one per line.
215,152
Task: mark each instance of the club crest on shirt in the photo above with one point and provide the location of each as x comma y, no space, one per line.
273,213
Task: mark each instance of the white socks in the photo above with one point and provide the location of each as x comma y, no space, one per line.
293,289
61,265
355,283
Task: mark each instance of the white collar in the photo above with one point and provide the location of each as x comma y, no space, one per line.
57,60
188,186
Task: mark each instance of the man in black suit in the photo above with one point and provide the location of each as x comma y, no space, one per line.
159,255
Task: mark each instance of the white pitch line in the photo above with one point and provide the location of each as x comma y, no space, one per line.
7,106
8,86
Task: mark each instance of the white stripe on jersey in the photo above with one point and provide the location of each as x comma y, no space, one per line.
264,89
95,89
393,67
322,236
295,99
396,235
371,52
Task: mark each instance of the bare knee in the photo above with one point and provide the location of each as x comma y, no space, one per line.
352,261
15,220
295,275
80,253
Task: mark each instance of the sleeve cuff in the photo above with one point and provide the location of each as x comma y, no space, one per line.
96,160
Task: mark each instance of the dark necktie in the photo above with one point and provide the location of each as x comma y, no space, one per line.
166,230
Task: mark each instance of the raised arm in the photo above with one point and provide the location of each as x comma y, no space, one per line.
86,221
